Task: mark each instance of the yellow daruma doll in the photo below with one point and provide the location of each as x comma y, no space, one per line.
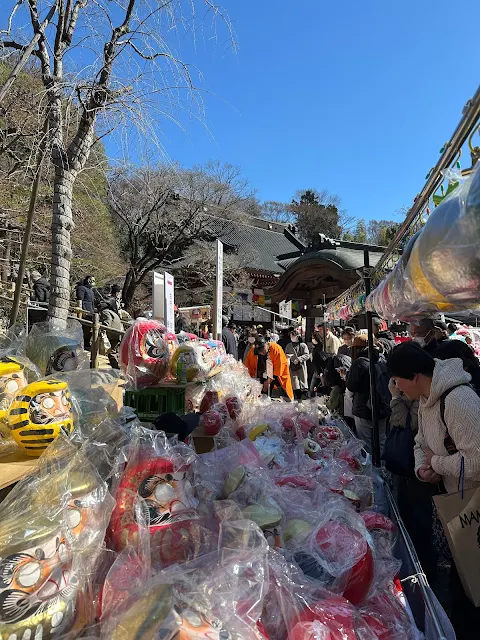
38,413
12,379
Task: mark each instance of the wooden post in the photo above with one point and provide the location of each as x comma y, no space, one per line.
95,341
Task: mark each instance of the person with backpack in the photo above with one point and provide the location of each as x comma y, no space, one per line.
447,445
358,382
458,349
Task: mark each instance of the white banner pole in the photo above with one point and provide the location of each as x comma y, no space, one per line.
217,328
169,304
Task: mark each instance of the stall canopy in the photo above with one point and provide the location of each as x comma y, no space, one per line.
326,270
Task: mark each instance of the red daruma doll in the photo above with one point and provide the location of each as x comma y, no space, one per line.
145,354
169,501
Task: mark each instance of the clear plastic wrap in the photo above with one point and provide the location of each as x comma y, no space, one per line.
197,360
222,472
421,282
160,474
15,373
183,337
72,403
212,421
145,353
298,609
39,413
389,619
337,553
54,348
216,596
48,551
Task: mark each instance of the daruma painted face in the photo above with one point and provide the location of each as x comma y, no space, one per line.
39,413
38,588
160,612
12,379
169,508
145,353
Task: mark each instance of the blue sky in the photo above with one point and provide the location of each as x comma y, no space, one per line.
353,97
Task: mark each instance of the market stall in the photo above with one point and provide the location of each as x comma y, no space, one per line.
430,267
118,531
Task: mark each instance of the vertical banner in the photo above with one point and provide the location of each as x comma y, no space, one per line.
169,303
217,318
158,295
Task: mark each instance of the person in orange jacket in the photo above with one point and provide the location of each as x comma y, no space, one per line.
268,363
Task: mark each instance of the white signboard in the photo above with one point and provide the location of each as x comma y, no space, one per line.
158,292
285,309
169,289
218,293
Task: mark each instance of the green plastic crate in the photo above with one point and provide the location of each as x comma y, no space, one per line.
150,403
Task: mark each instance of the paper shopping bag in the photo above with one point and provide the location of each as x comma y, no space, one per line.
460,518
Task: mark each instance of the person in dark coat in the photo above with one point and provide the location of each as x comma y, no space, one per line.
358,382
41,288
441,331
85,294
284,337
385,337
348,334
228,339
320,360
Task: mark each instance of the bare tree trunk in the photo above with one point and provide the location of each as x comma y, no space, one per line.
62,225
129,288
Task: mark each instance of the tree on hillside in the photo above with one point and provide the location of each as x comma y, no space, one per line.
130,64
221,185
316,212
195,275
358,233
379,232
163,212
311,212
95,246
277,212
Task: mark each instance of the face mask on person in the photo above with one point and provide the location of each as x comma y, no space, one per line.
251,340
294,338
314,341
419,340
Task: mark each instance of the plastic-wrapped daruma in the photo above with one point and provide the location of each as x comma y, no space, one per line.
169,500
12,379
332,619
145,354
38,588
197,360
335,539
38,413
53,349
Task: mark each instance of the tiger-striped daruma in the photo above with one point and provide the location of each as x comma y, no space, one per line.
39,413
12,379
38,587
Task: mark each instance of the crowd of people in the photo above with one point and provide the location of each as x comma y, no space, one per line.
427,386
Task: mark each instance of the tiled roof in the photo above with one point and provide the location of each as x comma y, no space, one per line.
261,246
344,257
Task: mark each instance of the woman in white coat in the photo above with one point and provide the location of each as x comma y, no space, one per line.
297,354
